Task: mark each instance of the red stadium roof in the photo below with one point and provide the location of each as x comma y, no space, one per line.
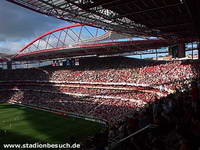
108,48
52,45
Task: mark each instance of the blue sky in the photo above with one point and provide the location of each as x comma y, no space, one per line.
19,26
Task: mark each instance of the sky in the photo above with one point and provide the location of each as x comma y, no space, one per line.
18,26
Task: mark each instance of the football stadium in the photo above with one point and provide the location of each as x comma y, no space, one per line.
123,75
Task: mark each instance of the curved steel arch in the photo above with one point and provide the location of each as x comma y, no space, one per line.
79,38
82,43
47,33
82,35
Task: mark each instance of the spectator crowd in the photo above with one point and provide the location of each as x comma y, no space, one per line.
176,115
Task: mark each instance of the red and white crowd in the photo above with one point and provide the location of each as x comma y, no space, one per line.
125,110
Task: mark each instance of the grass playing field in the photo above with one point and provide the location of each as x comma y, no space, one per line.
25,125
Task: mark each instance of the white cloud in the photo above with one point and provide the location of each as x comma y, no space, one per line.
19,25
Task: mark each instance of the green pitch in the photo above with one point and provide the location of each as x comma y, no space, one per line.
25,125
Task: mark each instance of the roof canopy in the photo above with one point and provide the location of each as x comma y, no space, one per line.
160,18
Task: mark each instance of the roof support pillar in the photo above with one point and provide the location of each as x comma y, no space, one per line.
9,65
181,50
198,48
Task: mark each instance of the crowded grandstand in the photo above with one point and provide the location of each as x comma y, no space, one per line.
94,91
123,93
